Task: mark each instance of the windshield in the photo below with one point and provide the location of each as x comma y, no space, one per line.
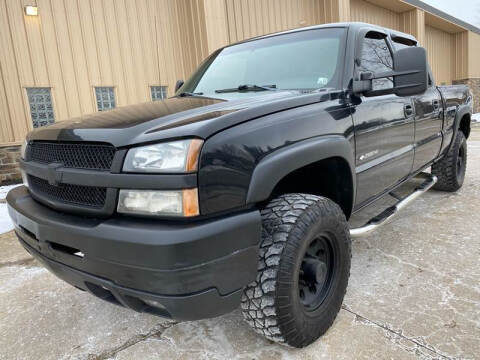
304,60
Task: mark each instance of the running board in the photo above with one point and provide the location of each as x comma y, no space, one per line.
387,215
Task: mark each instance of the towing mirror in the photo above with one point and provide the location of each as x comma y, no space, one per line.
410,75
179,84
410,64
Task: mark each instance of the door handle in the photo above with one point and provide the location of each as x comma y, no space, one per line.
408,110
436,104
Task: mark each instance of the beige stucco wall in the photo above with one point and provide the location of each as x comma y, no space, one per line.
361,10
439,49
473,55
75,45
249,18
413,22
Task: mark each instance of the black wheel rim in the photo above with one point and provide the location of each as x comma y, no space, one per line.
316,272
460,162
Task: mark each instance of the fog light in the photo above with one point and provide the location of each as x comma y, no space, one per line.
159,202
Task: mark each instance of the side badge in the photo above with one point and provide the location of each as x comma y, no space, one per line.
368,155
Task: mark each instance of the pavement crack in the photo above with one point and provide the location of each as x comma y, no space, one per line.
156,331
427,346
22,262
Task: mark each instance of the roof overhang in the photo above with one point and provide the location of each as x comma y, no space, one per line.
440,19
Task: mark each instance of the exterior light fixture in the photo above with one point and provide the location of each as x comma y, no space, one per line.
31,10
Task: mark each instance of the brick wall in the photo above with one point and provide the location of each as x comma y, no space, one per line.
474,85
9,168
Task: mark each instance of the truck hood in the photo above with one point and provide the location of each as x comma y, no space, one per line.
172,118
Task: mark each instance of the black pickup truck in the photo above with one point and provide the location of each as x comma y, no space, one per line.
237,190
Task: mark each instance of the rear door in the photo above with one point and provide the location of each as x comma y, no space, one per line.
384,128
428,126
428,121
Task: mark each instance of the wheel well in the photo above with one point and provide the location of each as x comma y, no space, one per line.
465,125
330,178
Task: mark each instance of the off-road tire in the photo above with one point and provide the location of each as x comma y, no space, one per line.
271,304
450,170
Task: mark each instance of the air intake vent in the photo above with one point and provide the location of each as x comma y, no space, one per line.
87,196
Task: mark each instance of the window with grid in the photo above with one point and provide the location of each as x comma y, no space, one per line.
158,92
105,98
41,108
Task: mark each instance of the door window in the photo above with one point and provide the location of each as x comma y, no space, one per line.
377,58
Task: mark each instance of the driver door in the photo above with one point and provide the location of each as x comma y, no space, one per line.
384,127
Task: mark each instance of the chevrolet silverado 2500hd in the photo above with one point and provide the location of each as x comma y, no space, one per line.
237,190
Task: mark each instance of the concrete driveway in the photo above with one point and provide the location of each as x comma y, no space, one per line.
414,293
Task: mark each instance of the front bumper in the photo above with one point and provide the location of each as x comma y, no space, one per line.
188,270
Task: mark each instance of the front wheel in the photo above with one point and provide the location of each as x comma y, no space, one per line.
303,270
451,169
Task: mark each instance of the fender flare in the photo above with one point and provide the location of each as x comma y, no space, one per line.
461,112
276,165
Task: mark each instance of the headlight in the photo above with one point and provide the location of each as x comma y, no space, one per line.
23,149
159,202
24,178
171,157
23,153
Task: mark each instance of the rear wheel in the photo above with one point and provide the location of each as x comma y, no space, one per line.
451,169
303,269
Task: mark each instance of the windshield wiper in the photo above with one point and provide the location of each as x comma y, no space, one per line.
245,88
186,93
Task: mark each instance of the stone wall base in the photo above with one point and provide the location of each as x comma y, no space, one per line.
9,166
474,85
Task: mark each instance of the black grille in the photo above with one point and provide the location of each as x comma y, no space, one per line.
89,196
72,155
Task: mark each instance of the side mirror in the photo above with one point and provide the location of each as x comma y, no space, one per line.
410,64
410,75
179,84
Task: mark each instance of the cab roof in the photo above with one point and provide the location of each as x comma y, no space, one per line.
355,26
